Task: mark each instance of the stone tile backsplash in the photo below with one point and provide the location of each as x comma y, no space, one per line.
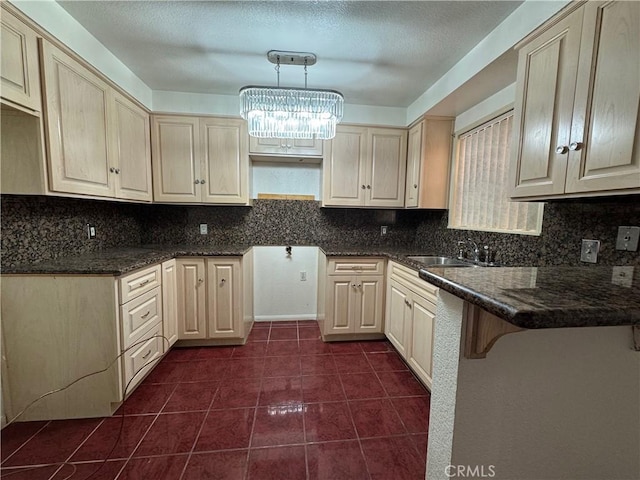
40,228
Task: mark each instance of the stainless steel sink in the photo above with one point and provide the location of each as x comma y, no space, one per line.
432,261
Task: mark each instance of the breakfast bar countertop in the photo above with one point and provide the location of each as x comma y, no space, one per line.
547,297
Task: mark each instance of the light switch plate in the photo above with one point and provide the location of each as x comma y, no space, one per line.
589,252
628,238
204,229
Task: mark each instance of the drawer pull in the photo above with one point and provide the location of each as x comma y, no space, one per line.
145,315
144,357
142,284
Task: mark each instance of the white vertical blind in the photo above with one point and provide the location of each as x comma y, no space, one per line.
480,199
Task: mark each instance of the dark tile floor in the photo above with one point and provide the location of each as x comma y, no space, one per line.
283,406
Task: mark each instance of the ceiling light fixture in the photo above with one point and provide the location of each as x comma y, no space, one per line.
280,112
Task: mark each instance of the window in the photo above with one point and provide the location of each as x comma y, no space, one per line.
480,190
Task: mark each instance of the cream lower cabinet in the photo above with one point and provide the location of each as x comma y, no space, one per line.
576,123
58,328
410,318
365,167
354,293
170,302
211,300
200,160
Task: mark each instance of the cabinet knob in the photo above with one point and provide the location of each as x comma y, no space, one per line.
363,187
353,285
415,185
359,285
222,281
561,149
574,146
112,170
117,171
368,187
200,280
197,182
202,182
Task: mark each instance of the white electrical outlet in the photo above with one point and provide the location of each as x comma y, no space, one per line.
204,229
91,231
303,276
628,238
383,230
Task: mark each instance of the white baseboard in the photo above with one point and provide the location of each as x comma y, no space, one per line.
284,318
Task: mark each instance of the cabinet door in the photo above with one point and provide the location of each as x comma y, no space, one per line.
175,149
19,70
344,168
386,173
170,303
192,321
224,298
76,104
225,166
547,69
307,147
394,326
131,150
340,297
414,162
368,304
605,119
422,328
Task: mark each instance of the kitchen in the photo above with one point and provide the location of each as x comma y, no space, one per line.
45,229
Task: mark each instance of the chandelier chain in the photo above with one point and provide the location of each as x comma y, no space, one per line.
278,70
305,72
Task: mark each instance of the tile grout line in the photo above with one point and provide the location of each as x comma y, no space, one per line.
46,423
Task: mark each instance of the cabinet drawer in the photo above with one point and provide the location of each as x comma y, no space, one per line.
139,314
410,278
137,283
349,266
138,357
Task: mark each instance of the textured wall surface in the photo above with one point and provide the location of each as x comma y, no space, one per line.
41,228
565,224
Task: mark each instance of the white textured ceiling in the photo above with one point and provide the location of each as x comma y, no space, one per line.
375,53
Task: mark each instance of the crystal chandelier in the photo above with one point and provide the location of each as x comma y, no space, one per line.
279,112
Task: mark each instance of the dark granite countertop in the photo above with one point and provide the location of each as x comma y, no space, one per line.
547,297
118,261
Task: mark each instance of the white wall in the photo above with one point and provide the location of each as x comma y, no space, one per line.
279,294
485,109
286,178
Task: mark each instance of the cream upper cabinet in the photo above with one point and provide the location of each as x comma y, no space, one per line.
225,162
131,150
344,167
428,159
176,162
200,160
354,296
76,106
576,123
365,167
386,171
285,147
19,69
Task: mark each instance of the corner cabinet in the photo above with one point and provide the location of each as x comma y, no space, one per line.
19,72
354,293
97,140
576,122
428,159
200,160
212,304
410,318
365,167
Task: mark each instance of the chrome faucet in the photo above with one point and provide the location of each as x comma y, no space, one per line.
476,250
